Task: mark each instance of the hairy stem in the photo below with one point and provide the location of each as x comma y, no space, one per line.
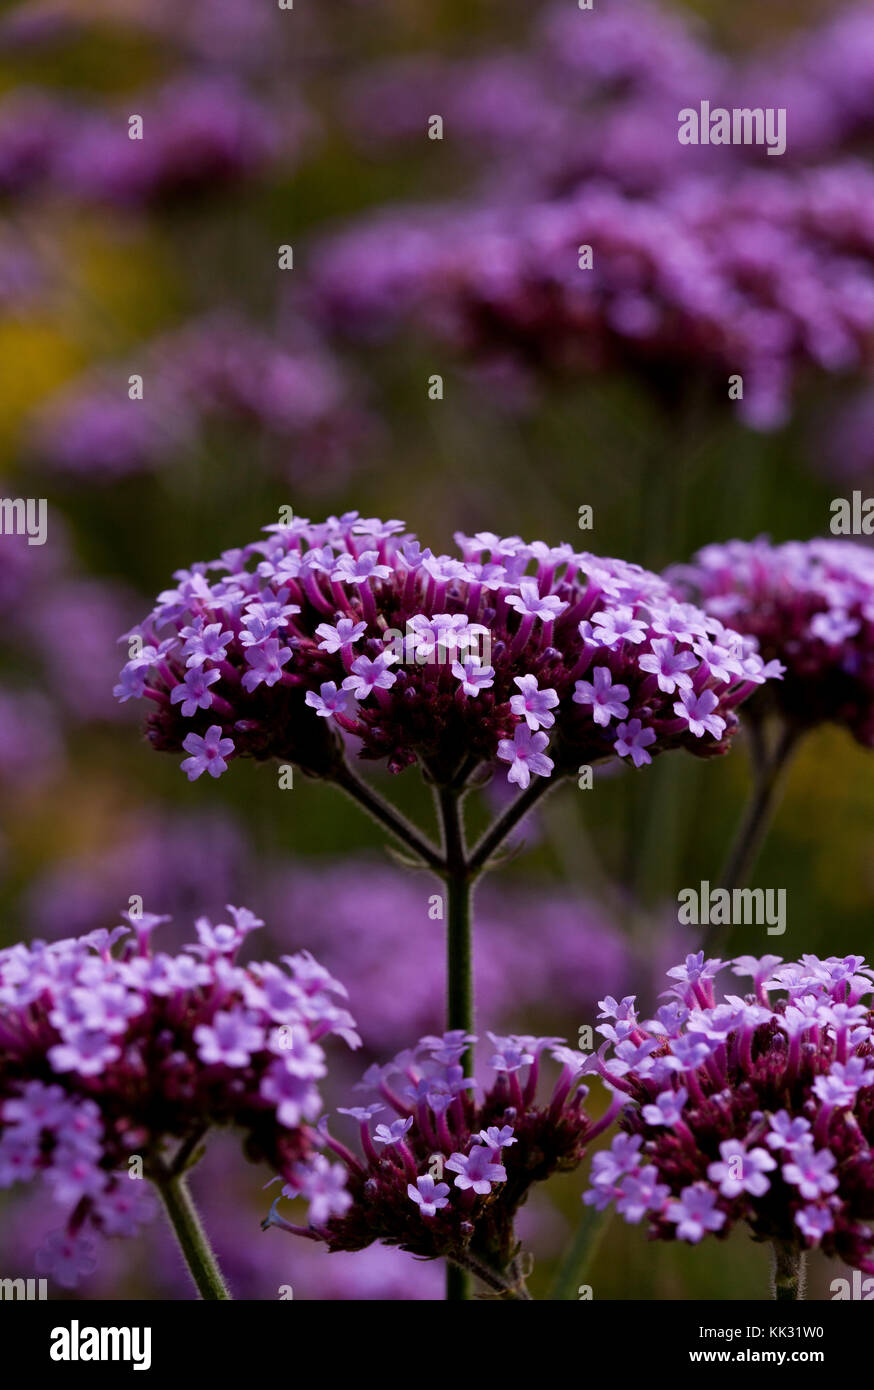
493,1279
402,829
193,1240
497,834
787,1272
186,1156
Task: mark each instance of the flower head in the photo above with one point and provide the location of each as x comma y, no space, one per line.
278,649
757,1109
807,609
105,1055
448,1175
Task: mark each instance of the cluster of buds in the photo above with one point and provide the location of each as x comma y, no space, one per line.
491,657
810,606
108,1056
446,1177
757,1108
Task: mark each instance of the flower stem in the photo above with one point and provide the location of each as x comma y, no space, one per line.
458,1284
580,1255
386,815
500,1284
497,834
459,870
769,773
787,1271
459,960
193,1240
757,818
459,946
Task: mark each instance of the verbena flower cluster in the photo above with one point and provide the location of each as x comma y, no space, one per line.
497,655
809,605
560,105
447,1175
757,1107
106,1057
199,134
581,99
765,274
215,371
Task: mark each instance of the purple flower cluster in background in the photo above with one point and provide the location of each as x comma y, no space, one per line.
105,1057
810,606
589,657
366,920
58,661
213,372
320,641
371,920
767,276
825,78
199,134
488,1151
61,627
577,99
31,742
26,282
757,1108
599,97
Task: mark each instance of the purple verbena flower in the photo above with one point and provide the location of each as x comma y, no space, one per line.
756,1109
146,1050
436,663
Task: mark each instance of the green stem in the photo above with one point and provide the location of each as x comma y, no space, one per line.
580,1255
192,1238
459,1285
459,945
760,810
787,1272
497,834
767,789
459,960
387,816
500,1284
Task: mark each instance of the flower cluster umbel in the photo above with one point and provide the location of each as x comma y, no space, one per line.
110,1056
446,1177
706,277
810,606
757,1108
273,649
